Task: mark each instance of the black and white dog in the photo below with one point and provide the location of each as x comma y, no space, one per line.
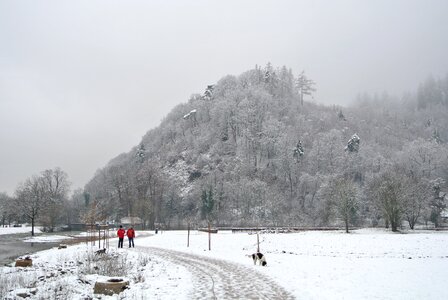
260,258
101,251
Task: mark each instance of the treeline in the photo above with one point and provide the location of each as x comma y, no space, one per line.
41,198
252,151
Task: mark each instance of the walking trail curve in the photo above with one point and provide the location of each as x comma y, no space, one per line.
219,279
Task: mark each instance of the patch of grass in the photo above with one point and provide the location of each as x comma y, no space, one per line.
16,280
109,264
52,282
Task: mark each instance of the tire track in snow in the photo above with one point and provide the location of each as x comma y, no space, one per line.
219,279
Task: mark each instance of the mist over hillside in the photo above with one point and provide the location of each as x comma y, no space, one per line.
254,150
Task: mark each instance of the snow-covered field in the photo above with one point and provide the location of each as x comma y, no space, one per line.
365,264
14,230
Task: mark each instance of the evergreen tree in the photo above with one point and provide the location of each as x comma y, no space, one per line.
208,94
208,203
298,150
141,152
353,144
305,86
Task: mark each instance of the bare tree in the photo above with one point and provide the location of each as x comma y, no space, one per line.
30,199
305,86
417,195
437,202
7,212
389,196
77,206
345,199
55,187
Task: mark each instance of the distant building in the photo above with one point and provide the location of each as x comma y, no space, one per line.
135,222
76,226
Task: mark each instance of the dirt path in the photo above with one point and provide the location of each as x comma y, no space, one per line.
219,279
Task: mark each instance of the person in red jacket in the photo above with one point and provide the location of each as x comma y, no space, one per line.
131,235
120,234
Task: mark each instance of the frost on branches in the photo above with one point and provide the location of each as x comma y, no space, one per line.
353,144
208,94
140,154
298,150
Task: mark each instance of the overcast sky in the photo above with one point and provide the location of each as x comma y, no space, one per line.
83,81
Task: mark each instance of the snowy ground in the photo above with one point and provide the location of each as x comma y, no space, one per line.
13,230
366,264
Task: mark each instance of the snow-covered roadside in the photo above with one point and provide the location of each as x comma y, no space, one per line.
46,239
366,264
72,272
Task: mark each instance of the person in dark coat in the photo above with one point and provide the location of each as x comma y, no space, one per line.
131,235
120,234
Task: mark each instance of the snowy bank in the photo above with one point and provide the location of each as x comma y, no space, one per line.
14,230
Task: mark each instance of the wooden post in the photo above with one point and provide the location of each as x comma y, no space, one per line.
209,237
188,238
258,243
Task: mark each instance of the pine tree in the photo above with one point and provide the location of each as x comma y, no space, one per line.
353,144
208,204
141,152
305,86
341,115
208,94
298,150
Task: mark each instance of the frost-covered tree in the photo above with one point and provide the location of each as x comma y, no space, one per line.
6,209
389,195
207,204
341,115
438,201
326,153
305,86
208,94
30,199
141,152
55,187
269,73
76,206
417,195
344,196
423,159
436,136
353,144
431,93
298,150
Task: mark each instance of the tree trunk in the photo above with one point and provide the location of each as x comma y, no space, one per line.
394,226
411,223
188,236
346,225
32,226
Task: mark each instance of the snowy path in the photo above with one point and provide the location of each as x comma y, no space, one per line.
219,279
